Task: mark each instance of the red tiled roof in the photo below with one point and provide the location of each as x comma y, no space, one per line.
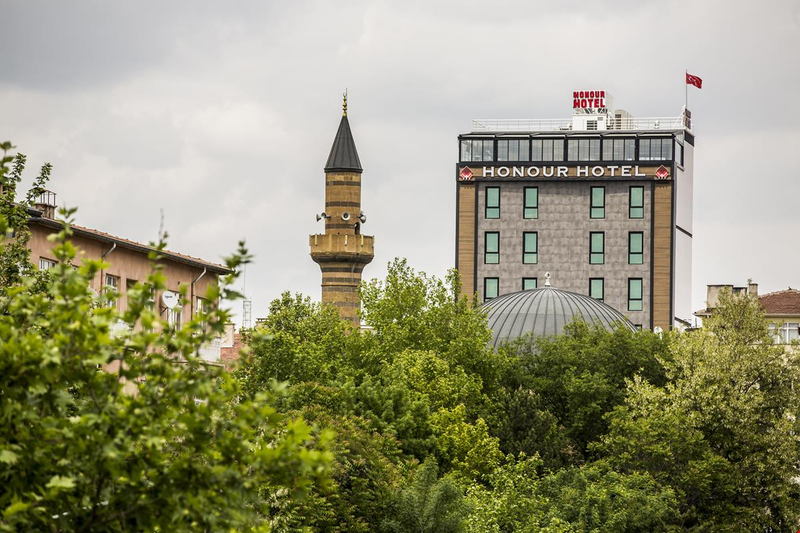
127,243
786,302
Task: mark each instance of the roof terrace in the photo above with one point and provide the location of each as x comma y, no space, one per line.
581,123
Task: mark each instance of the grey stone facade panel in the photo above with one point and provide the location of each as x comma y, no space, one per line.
563,226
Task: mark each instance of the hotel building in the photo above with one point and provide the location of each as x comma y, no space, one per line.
602,201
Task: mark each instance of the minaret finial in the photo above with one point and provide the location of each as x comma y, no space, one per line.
344,103
547,279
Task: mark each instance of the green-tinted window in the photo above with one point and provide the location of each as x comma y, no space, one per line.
597,288
491,287
635,294
635,248
531,202
529,283
491,252
530,247
598,203
492,202
636,209
597,246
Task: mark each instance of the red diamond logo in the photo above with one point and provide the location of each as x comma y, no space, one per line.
466,174
662,172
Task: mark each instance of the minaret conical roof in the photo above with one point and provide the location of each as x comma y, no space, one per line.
344,156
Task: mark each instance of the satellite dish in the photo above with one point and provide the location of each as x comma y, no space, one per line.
170,299
345,216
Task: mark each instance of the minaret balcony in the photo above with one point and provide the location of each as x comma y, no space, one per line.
338,247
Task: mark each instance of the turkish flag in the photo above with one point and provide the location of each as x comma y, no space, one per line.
694,80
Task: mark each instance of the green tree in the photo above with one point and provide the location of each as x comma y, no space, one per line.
722,432
299,341
581,375
14,259
176,452
590,498
428,505
595,499
410,310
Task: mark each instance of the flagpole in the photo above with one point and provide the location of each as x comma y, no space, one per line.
686,91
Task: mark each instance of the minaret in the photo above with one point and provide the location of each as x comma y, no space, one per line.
342,252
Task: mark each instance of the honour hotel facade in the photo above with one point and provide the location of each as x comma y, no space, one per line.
602,201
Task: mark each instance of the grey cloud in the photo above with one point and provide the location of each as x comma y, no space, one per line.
224,115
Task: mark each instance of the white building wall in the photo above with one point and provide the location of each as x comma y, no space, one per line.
684,220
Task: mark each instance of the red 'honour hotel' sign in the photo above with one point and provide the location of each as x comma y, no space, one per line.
588,99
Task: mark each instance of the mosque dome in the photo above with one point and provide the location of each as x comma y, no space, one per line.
546,311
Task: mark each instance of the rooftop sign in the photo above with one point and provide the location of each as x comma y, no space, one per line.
563,171
594,100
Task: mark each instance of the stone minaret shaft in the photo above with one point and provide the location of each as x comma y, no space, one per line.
342,251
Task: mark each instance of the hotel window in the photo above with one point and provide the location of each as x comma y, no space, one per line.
597,288
491,247
597,208
636,208
492,202
513,150
655,149
634,294
619,149
530,247
477,150
46,264
529,283
635,248
583,149
491,287
597,245
678,152
547,150
531,209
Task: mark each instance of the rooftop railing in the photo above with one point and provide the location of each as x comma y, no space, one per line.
480,125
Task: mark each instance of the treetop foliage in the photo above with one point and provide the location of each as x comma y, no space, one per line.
111,421
412,423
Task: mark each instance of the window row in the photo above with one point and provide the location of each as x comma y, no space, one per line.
785,333
597,202
609,149
491,289
530,247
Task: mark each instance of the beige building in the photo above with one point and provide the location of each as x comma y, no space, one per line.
128,264
781,308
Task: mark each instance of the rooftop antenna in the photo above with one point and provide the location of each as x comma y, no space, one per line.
344,103
547,279
161,226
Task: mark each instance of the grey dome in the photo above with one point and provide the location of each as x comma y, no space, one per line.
545,311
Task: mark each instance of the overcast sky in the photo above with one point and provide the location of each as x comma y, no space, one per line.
223,113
